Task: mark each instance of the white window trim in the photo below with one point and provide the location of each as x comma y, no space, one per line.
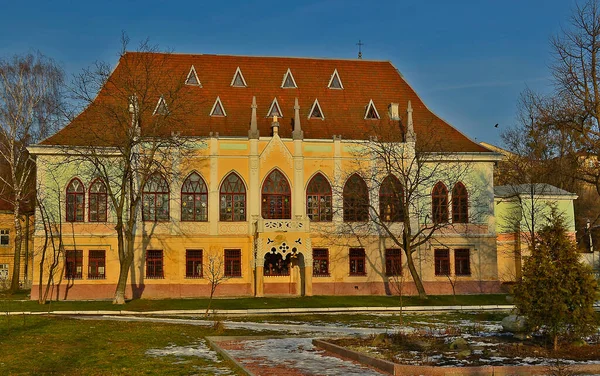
212,110
285,76
316,104
193,70
371,104
161,99
335,74
275,103
238,71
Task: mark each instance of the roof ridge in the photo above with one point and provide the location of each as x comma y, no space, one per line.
261,56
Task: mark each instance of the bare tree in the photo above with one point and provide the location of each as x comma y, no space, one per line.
30,108
214,271
133,118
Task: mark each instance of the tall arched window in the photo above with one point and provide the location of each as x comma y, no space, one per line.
439,203
460,204
276,197
97,201
155,199
391,197
194,199
232,199
318,199
75,201
356,200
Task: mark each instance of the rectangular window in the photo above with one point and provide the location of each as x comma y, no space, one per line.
4,237
393,262
233,262
3,272
154,264
357,261
462,262
193,263
442,262
74,264
96,265
320,262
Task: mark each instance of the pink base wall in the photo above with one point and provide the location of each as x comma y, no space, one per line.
408,288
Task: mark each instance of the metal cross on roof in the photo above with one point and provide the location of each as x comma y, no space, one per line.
360,44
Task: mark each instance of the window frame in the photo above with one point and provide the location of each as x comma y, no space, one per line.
232,258
5,234
95,262
72,206
357,260
94,199
192,262
441,262
439,203
391,194
165,195
462,262
155,267
317,191
460,203
320,262
202,195
276,196
74,264
232,198
393,262
355,199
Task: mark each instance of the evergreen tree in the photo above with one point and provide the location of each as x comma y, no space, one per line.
557,291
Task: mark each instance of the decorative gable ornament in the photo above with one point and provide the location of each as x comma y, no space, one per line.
371,112
288,81
218,109
238,79
192,78
161,107
334,81
274,110
315,111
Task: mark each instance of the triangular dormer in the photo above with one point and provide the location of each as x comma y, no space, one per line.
161,107
335,82
192,78
238,79
218,109
315,111
274,110
371,112
288,81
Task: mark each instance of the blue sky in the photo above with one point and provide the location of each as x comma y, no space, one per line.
468,60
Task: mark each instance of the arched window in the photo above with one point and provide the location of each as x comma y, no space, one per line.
276,197
460,204
356,200
233,199
439,203
391,197
194,199
97,201
318,199
75,201
155,199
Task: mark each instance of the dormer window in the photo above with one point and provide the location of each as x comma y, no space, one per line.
274,110
335,82
218,109
238,79
288,81
315,111
371,112
161,107
192,78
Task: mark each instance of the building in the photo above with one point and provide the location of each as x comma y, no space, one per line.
269,185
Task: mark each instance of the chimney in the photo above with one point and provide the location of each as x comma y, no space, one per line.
393,110
410,130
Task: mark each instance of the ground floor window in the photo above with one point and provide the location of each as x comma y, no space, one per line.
357,261
74,264
233,262
154,264
320,262
4,236
393,262
442,262
276,265
96,264
193,263
462,262
3,272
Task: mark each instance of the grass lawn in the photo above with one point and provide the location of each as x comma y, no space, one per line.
11,305
38,345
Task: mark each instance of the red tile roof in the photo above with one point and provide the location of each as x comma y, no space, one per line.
343,109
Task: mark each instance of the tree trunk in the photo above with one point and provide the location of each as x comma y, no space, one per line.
415,275
212,292
125,261
14,285
555,342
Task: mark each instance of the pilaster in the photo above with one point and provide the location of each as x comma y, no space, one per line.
298,204
213,190
337,199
